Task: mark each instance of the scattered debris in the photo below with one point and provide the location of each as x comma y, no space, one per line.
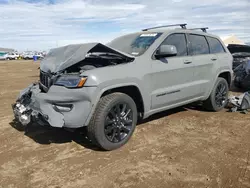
239,103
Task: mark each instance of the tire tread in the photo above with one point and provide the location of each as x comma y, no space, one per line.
208,104
97,116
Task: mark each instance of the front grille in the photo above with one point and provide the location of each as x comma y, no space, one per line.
45,79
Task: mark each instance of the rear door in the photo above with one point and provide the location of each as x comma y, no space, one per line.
172,77
216,48
203,62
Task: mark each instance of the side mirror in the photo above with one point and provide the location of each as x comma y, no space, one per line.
166,51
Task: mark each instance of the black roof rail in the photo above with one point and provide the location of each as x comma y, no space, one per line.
183,26
204,29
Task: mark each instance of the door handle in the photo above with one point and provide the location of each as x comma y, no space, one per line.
187,62
214,59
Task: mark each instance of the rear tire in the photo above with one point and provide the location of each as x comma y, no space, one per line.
113,121
218,97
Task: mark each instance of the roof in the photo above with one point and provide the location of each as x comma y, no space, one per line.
178,27
166,30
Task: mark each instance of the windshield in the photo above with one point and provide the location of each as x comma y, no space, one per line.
134,44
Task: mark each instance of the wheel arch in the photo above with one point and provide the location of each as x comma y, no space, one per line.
226,74
131,89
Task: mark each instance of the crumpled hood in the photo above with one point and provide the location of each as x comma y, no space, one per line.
64,57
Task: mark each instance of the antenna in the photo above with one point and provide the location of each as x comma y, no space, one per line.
183,26
204,29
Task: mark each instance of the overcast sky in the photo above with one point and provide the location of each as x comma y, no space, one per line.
45,24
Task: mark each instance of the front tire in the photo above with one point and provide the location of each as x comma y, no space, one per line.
113,121
218,97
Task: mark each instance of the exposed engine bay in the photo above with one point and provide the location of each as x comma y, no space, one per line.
48,102
73,56
92,61
96,60
76,59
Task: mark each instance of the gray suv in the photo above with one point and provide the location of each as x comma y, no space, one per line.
108,88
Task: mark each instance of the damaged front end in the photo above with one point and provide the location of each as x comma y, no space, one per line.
22,108
60,98
59,107
240,54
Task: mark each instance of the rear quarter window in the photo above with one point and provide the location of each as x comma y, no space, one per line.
215,46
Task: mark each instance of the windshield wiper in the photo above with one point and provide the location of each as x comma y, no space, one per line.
107,54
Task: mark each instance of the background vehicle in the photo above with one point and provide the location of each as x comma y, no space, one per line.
3,56
28,56
39,55
12,56
109,87
242,75
240,53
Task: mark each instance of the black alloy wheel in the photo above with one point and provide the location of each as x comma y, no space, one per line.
118,123
221,94
113,121
218,98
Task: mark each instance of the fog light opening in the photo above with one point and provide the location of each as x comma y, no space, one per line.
63,107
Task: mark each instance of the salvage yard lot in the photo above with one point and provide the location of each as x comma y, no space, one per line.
184,147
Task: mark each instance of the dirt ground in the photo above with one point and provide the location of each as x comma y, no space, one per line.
184,147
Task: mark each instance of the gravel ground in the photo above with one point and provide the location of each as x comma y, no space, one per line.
184,147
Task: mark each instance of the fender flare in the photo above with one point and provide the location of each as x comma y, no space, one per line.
214,80
102,91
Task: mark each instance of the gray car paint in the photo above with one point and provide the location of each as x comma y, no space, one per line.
163,84
43,103
140,77
61,58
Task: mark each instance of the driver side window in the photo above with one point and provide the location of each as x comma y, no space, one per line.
179,41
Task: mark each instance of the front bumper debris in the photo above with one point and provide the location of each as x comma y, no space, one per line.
22,111
59,107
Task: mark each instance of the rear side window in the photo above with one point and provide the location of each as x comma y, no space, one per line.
215,45
198,45
179,41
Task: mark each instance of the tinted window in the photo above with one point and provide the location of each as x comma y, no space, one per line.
215,45
134,44
198,45
179,41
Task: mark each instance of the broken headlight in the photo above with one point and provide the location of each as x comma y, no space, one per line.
71,81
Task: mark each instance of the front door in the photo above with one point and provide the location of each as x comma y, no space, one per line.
172,77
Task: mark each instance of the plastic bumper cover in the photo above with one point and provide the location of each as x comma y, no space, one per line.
60,107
